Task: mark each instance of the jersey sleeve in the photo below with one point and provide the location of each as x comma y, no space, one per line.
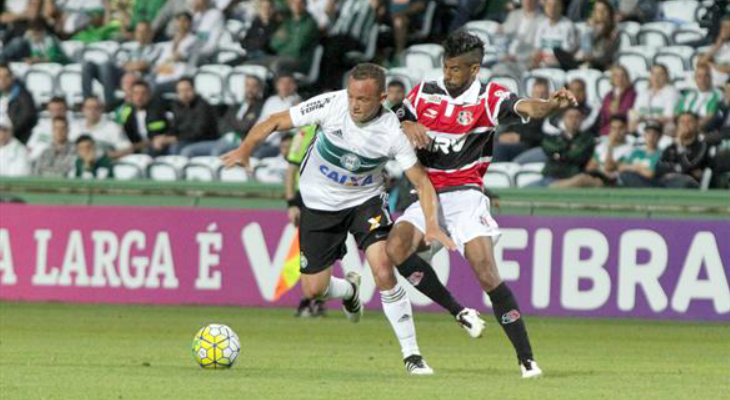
501,106
407,110
403,152
314,110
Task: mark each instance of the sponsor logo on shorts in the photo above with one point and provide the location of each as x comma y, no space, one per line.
375,222
510,317
350,162
415,278
303,262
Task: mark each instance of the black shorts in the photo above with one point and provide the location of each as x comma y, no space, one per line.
322,234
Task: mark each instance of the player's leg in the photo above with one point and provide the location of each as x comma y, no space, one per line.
404,240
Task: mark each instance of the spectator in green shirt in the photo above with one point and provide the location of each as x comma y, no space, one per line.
145,10
295,40
36,46
97,31
705,100
89,165
640,166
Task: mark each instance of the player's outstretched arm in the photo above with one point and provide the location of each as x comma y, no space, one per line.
276,122
429,203
539,109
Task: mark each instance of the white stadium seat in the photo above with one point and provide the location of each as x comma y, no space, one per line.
656,34
590,77
555,76
132,166
508,169
210,86
528,174
496,180
69,83
313,75
41,84
167,168
202,169
679,11
235,174
603,86
507,81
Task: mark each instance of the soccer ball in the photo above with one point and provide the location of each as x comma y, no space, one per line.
216,346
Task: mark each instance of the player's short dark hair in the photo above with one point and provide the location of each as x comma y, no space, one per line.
462,43
84,138
369,71
619,117
398,83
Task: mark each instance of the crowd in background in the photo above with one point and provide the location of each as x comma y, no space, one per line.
143,99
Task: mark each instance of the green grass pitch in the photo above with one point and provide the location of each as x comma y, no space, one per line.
65,351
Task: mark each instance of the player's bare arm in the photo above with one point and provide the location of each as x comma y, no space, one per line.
429,203
539,109
241,156
416,133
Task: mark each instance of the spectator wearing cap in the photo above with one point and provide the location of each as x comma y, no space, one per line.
42,135
567,152
705,100
106,134
286,97
14,157
91,164
639,168
602,169
235,123
656,102
16,104
619,100
58,159
193,119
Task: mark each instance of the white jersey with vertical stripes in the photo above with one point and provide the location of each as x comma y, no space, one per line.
344,165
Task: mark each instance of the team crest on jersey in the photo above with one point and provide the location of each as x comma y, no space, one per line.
465,118
350,162
303,262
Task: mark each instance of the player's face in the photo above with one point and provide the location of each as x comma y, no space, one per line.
459,73
364,99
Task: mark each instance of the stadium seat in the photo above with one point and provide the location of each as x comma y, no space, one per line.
269,174
631,30
132,166
167,168
409,77
258,71
423,56
235,27
641,84
687,35
677,59
427,19
603,86
100,52
555,76
496,180
41,84
235,174
221,70
228,54
210,86
679,11
19,68
69,84
590,77
509,169
492,28
528,174
655,34
313,75
236,87
371,48
507,81
203,169
72,49
635,61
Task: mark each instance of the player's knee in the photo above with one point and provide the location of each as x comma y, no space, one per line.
487,273
384,278
313,290
397,250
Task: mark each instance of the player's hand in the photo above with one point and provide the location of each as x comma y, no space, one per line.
564,98
238,156
295,214
435,234
416,134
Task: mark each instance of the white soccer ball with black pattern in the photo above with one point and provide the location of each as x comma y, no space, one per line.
216,346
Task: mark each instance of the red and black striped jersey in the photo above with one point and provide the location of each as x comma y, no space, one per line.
461,129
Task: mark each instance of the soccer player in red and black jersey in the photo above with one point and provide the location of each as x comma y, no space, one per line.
451,122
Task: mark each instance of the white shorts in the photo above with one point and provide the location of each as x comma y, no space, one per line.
464,214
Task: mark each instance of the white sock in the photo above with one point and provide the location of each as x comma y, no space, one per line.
397,307
339,289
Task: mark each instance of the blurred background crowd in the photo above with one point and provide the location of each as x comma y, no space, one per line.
158,89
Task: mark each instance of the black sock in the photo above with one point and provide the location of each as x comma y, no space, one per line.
508,315
422,276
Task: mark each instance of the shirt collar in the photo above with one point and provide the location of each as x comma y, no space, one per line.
470,95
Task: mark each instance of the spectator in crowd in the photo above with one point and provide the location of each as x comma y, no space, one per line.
718,55
193,119
351,32
704,101
42,136
294,41
14,157
146,124
466,10
257,38
235,123
640,165
70,16
177,55
395,94
208,25
619,100
590,112
16,15
145,11
106,134
655,103
286,97
598,45
36,46
718,134
636,10
122,110
89,164
324,13
567,152
553,32
97,30
403,13
163,25
681,165
519,138
602,169
519,29
141,60
16,104
58,159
